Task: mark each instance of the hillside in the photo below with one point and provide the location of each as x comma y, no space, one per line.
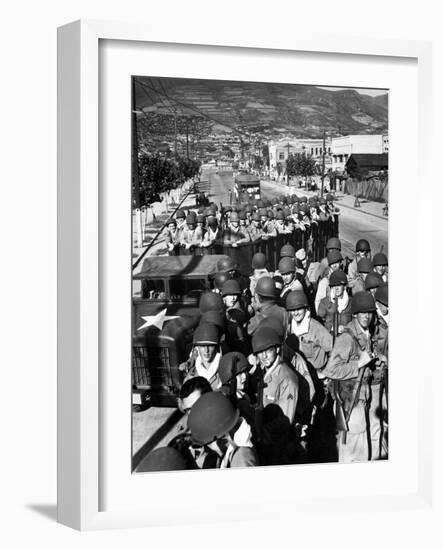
268,108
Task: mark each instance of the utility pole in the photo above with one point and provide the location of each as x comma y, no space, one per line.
323,163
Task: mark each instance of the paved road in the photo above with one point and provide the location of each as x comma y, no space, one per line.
354,224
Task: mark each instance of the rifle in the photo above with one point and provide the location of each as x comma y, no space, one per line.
335,321
233,381
259,405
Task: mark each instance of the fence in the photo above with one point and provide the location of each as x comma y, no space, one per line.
312,240
374,190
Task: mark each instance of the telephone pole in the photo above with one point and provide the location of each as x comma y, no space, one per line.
323,163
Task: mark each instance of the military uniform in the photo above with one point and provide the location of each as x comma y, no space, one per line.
315,343
281,388
327,309
268,309
364,422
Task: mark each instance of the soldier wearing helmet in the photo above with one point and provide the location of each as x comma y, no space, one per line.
362,250
336,306
286,268
265,304
280,224
372,281
333,243
335,259
192,235
163,459
236,316
259,263
212,232
380,263
172,237
234,235
314,340
382,321
364,267
216,424
205,356
354,367
254,227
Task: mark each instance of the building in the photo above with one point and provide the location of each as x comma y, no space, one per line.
343,147
281,149
359,165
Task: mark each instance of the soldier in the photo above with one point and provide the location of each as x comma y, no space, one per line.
280,224
216,424
372,281
286,267
332,244
219,281
233,234
259,263
180,218
382,322
287,251
191,236
356,392
254,229
335,259
314,340
336,306
265,304
364,267
362,250
205,356
235,317
281,382
380,263
212,234
191,391
172,237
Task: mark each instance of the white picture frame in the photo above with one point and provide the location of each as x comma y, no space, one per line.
81,292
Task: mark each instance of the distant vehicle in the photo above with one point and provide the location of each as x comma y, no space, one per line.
171,286
248,183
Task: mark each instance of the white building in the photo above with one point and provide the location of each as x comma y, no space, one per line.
343,147
281,149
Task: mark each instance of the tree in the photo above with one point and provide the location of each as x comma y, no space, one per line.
300,164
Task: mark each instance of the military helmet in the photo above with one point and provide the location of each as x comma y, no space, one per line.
206,333
334,256
248,209
180,214
171,221
287,250
234,217
226,264
191,220
242,215
296,299
380,259
220,279
275,323
161,460
329,197
228,362
213,317
259,260
266,287
212,221
322,201
286,265
382,295
234,208
373,280
210,301
271,214
364,265
265,338
231,287
211,417
280,215
362,246
362,302
338,277
200,218
333,242
263,212
304,199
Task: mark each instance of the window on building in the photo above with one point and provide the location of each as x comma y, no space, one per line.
312,150
340,158
329,150
316,151
281,156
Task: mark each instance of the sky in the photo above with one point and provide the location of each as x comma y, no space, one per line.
363,91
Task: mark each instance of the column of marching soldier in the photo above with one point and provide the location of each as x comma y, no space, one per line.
286,367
